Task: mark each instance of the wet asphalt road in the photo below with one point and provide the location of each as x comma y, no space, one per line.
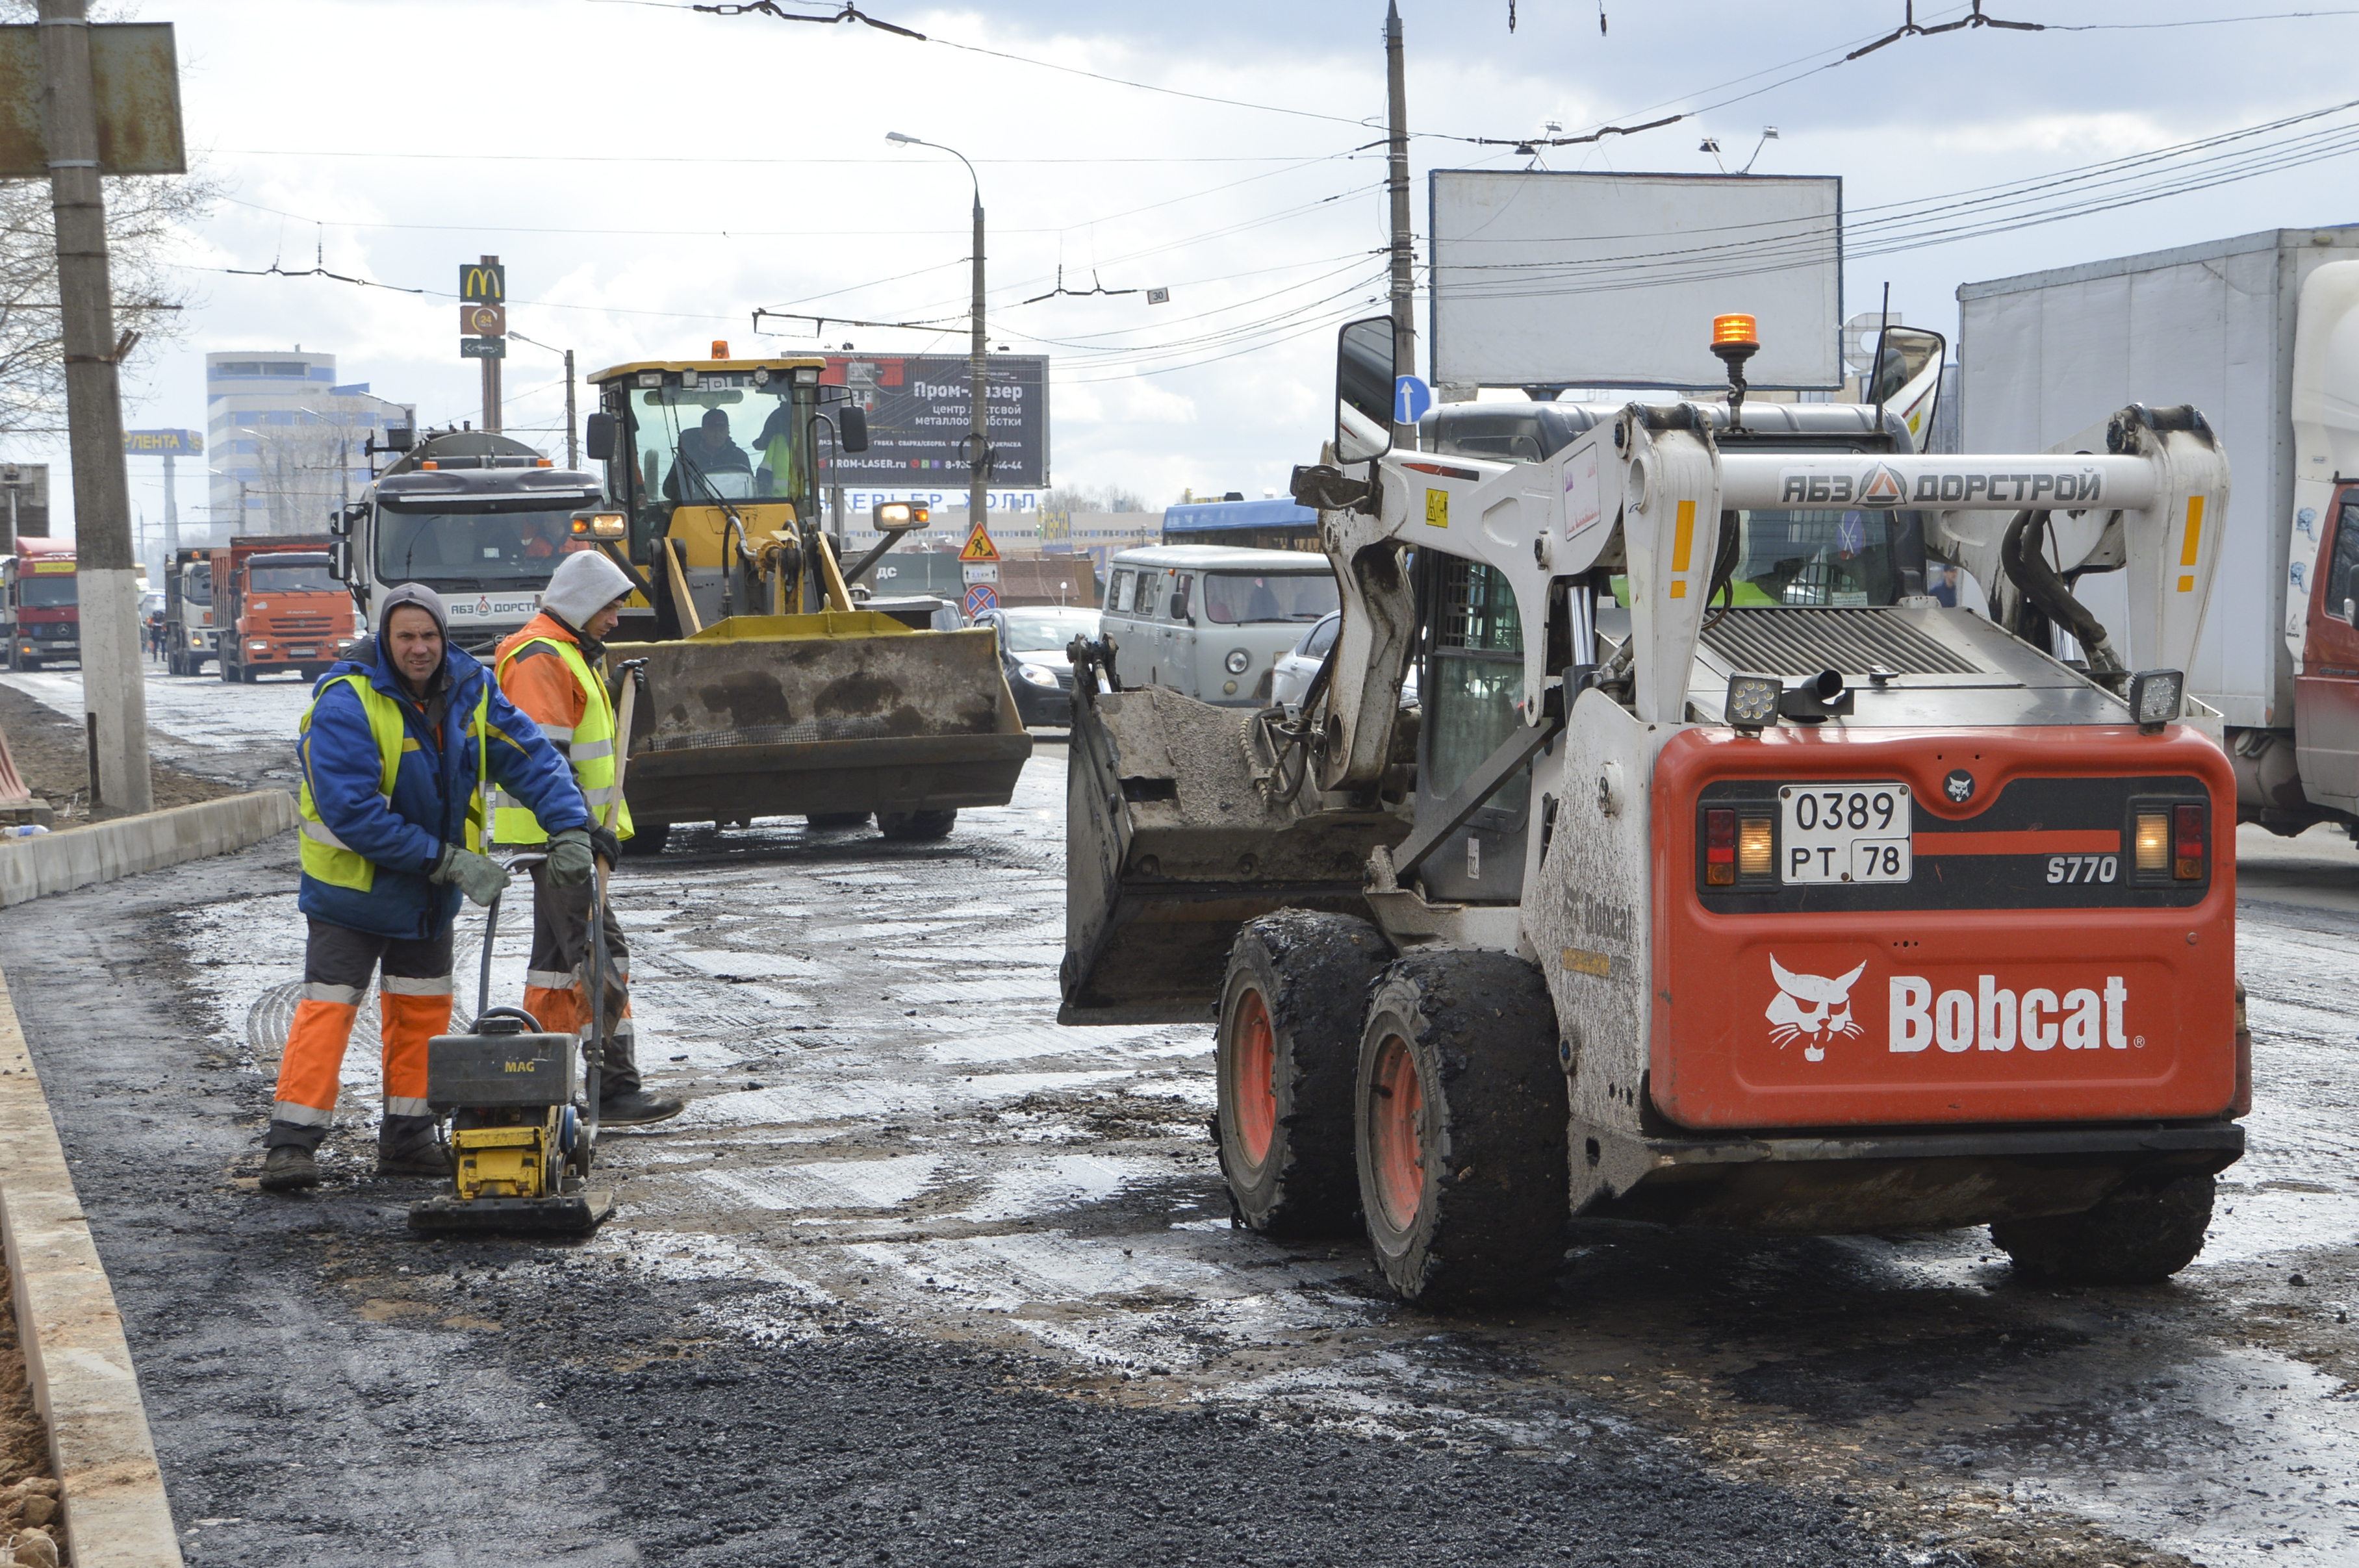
923,1277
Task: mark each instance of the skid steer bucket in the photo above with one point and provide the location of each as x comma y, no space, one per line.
1173,842
838,711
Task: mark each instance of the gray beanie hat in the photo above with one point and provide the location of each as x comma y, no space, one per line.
419,594
585,583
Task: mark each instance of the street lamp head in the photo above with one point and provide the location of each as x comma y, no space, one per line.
906,141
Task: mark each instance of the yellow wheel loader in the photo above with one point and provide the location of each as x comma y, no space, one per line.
774,687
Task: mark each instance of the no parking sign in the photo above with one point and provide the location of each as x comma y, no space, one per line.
981,598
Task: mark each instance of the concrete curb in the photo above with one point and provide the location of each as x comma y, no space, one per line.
58,862
115,1515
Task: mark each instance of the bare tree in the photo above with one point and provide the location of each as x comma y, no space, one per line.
305,468
1072,498
148,218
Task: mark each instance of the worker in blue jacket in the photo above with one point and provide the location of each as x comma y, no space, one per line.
397,746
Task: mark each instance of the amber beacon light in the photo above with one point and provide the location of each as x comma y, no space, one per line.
1735,339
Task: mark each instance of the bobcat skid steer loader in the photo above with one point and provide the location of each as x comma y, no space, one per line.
1724,877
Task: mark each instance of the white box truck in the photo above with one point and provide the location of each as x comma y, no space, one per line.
2261,333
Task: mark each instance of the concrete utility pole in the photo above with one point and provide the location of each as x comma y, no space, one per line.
572,442
171,516
114,695
978,424
1404,279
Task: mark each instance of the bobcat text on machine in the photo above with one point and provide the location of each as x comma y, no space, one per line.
1723,878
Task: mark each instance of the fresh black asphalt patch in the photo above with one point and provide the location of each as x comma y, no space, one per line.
326,1389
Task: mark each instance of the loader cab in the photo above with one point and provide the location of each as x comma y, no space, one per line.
711,462
1471,644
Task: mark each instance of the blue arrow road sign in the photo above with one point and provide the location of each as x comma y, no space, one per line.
1411,398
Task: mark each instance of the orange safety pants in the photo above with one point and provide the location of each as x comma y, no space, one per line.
555,981
414,1006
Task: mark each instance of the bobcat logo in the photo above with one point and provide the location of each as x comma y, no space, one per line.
1811,1007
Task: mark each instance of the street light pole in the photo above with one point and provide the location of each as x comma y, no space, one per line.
978,499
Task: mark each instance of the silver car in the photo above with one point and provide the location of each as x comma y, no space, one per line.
1290,677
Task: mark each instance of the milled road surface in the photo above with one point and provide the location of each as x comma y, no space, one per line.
923,1277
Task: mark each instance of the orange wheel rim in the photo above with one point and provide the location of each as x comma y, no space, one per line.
1253,1081
1397,1103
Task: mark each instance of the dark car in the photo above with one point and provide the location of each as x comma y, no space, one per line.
1032,652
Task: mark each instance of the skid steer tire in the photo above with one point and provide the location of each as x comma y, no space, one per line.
1460,1127
647,838
2138,1236
1289,1036
911,825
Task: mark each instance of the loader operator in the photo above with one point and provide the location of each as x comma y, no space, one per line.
551,669
397,745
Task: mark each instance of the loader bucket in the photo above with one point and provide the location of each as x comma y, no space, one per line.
838,711
1171,845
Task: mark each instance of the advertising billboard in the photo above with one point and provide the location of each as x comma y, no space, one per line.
1542,278
918,416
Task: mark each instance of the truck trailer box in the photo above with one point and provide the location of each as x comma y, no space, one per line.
2048,356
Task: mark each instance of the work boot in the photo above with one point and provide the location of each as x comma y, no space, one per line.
289,1168
636,1107
411,1146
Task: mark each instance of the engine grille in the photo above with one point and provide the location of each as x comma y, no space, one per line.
1804,641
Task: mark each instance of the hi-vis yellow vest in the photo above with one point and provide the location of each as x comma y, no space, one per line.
589,749
325,857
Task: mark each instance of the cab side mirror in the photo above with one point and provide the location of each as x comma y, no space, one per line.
852,424
598,436
1364,373
340,520
340,559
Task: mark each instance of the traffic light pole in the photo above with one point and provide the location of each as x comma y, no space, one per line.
114,694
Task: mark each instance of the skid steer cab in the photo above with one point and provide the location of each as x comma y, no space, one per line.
1724,877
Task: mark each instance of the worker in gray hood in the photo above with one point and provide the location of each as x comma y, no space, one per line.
401,738
553,670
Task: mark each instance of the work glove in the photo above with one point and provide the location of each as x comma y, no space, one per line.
480,877
569,858
609,847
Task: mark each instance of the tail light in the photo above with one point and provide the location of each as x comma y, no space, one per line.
1755,848
1720,848
2153,841
2187,843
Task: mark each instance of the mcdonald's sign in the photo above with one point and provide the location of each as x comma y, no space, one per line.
483,283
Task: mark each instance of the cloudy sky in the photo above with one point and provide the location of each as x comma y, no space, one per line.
652,175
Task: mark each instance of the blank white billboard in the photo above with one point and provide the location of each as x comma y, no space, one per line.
1613,279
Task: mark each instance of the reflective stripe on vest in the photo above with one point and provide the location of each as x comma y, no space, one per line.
327,857
589,746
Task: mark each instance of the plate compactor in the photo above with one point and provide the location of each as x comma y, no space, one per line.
520,1148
